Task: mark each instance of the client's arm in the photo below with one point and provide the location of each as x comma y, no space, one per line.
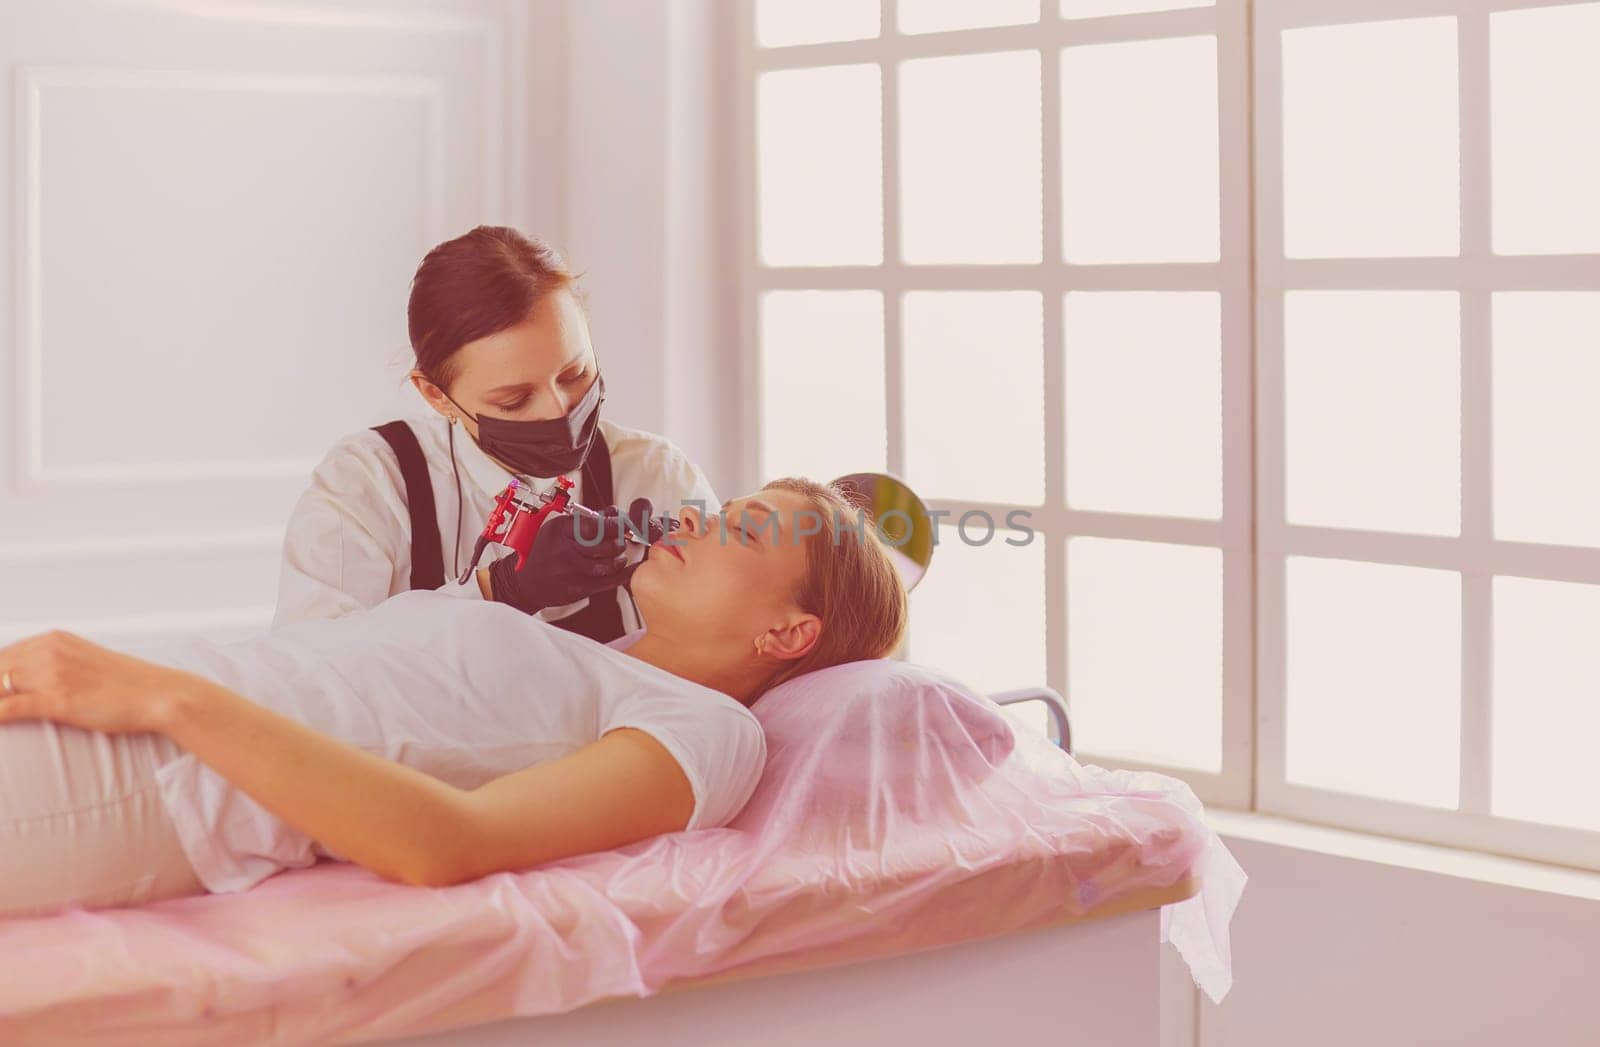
397,821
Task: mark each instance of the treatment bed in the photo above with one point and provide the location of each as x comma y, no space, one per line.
909,863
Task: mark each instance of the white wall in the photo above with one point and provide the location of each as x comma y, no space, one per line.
648,218
217,210
1388,948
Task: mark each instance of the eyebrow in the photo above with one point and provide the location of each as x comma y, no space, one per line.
756,503
517,387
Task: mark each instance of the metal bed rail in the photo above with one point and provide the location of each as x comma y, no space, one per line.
1055,705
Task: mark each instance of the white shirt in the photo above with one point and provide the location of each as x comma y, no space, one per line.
466,691
348,544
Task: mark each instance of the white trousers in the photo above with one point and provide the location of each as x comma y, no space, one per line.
82,823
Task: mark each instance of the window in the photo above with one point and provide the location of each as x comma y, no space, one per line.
963,268
1278,549
1428,364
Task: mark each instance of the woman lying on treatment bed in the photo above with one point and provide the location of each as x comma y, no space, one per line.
431,739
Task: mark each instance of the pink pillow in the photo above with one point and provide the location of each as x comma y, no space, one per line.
881,736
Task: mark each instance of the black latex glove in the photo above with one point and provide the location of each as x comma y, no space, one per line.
641,523
644,522
560,568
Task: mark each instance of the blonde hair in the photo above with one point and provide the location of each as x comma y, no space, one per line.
850,583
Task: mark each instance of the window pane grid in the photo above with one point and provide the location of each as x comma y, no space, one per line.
1050,32
1485,563
1052,279
1475,274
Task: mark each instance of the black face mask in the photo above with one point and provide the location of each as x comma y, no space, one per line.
544,448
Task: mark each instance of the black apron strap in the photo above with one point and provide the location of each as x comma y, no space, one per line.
427,554
601,619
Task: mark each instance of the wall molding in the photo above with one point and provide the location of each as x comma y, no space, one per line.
440,21
94,547
154,625
32,468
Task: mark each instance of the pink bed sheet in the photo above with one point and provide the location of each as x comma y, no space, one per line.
898,812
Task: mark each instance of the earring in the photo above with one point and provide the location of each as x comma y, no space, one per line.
760,651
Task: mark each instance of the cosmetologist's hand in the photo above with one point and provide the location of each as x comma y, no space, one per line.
572,557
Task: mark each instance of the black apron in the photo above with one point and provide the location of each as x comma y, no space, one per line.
600,619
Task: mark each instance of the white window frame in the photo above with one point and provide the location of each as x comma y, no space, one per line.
1252,276
1476,554
1231,277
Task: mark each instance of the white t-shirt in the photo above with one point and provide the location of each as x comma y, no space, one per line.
348,543
466,691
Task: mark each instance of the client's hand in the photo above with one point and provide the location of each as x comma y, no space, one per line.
67,679
572,557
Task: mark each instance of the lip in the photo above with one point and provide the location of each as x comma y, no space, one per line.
671,548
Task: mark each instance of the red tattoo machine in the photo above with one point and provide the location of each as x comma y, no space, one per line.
516,519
